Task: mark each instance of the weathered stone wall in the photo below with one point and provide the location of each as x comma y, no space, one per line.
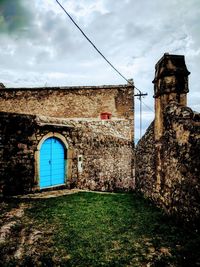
108,165
168,170
17,157
108,161
180,165
167,157
72,102
69,102
145,162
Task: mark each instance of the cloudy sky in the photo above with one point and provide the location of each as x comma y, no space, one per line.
39,45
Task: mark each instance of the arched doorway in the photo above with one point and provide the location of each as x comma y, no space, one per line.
52,162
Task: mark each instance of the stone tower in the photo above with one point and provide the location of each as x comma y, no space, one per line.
170,83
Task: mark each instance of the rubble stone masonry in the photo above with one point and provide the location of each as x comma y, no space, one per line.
107,153
73,114
167,156
69,102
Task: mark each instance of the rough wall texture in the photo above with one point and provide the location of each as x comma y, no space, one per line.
69,102
17,157
28,115
145,163
167,157
108,161
180,174
173,179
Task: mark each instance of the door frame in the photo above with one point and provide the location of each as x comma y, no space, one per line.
37,157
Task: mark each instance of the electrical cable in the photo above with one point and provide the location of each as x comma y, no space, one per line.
98,51
115,69
147,106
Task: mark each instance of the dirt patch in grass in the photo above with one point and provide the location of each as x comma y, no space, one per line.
87,229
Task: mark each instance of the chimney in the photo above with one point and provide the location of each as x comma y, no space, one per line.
170,83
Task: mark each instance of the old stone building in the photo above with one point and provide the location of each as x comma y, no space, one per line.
167,157
83,137
66,136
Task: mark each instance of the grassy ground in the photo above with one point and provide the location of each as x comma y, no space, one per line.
90,229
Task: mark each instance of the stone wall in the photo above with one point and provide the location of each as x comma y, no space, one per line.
69,102
145,163
167,156
108,161
17,157
181,162
168,171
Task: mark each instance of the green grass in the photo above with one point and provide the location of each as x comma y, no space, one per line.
90,229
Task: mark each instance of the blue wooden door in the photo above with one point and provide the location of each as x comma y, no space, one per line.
52,163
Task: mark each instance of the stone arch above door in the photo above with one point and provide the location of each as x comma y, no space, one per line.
50,136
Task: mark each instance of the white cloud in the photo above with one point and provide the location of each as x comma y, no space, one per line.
133,35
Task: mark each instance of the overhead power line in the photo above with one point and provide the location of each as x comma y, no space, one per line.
95,46
115,69
147,106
